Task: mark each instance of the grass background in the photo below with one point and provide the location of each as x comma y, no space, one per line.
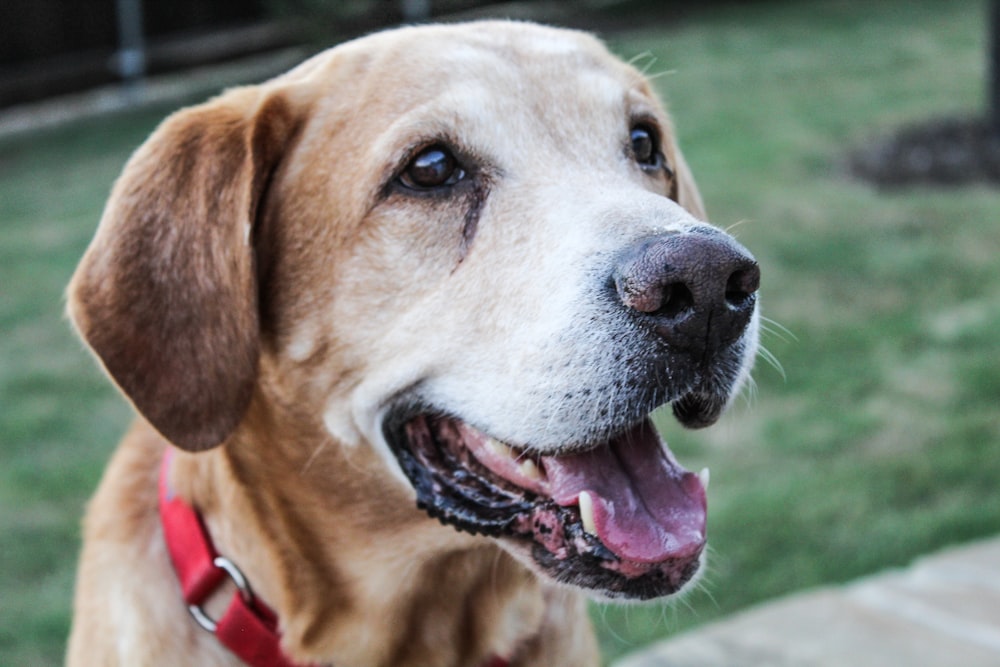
881,440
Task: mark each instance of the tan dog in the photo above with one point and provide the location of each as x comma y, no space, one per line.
444,272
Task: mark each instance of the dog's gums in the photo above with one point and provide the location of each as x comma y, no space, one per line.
622,518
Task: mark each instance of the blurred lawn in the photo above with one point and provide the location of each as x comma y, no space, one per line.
882,443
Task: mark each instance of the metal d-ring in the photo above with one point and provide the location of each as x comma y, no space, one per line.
242,586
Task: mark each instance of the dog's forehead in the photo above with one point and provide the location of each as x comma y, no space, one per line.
492,43
505,64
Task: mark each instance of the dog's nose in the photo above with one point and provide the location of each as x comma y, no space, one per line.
698,289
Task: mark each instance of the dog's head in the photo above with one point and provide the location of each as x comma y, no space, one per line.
476,249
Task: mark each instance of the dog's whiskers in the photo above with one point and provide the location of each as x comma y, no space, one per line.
773,328
736,224
750,391
778,330
312,458
661,74
646,58
772,361
495,574
644,62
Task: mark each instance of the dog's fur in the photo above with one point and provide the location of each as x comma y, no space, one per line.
260,281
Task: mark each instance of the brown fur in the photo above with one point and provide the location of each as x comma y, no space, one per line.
243,226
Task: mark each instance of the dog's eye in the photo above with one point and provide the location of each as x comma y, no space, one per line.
646,147
433,167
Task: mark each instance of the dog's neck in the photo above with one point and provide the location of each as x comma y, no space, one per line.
352,583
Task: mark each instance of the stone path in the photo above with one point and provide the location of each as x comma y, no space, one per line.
943,611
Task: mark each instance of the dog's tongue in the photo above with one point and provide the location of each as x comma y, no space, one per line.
647,509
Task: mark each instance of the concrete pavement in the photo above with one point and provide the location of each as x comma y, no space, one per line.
942,611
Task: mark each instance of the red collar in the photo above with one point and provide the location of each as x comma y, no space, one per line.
248,628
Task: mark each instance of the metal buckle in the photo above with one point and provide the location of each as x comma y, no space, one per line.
242,586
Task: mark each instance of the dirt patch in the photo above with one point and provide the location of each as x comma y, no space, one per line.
950,151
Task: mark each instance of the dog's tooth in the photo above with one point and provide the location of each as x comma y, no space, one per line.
587,513
500,448
529,469
704,477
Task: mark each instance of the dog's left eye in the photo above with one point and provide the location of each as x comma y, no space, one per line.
646,147
433,167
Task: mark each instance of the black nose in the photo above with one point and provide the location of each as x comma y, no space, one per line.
697,289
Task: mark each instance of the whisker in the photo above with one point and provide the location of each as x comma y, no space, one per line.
646,56
610,627
494,573
736,224
705,583
312,458
772,361
777,329
660,75
750,391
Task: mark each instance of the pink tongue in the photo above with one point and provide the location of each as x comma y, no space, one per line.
647,508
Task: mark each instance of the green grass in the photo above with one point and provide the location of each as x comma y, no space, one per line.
59,418
881,443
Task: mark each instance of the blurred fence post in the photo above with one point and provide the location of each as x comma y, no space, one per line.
993,67
415,11
131,57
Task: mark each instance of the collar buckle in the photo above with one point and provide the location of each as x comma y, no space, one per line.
242,586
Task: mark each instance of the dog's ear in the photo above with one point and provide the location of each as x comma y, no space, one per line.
687,193
166,294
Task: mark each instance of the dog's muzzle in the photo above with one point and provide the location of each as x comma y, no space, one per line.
618,514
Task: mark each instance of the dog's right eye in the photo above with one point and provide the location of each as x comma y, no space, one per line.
432,168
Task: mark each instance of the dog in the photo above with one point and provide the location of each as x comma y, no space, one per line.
393,323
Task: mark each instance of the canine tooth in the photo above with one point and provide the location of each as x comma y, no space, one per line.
500,448
704,477
587,513
529,469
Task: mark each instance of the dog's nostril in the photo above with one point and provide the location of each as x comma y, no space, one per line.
676,299
742,284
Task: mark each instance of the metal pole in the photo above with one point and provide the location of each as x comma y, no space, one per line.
415,11
131,57
993,68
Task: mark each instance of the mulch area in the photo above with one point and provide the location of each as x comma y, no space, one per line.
949,151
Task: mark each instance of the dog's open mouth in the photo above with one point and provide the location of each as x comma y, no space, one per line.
622,518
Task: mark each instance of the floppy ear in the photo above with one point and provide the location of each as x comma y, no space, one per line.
166,294
688,195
